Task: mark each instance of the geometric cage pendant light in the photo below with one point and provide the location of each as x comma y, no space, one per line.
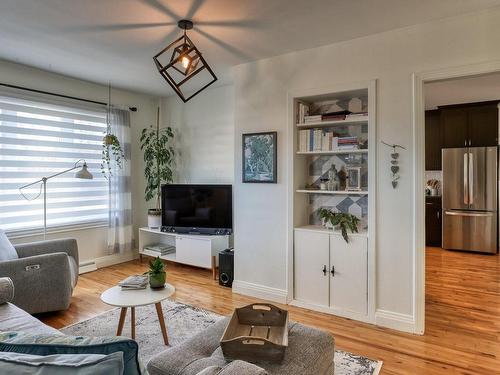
181,62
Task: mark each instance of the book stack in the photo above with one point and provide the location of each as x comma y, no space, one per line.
160,249
302,112
334,116
134,282
357,116
311,140
348,143
312,118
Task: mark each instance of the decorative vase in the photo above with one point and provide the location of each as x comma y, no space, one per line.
154,218
157,280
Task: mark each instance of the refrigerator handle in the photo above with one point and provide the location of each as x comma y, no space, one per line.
466,185
471,178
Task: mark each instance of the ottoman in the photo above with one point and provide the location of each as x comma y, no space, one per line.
310,351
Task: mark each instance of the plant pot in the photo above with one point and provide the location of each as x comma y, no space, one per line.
154,218
108,139
157,280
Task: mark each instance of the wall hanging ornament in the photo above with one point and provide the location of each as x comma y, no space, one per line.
394,166
181,62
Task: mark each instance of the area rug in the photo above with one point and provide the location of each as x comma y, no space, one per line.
183,321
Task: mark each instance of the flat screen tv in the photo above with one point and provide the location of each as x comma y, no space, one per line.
197,209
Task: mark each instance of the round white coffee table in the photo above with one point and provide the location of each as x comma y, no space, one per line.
116,296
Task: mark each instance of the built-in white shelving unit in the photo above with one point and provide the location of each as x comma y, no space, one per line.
325,272
333,192
322,124
333,152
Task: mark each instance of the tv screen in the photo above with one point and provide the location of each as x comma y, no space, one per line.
197,208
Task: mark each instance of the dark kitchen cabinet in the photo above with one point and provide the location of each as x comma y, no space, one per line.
454,127
474,124
483,125
433,221
433,140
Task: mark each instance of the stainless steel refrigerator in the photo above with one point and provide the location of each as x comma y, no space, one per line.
470,195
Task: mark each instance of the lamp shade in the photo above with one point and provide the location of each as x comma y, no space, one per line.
84,173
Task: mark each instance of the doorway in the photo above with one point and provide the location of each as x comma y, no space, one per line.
452,286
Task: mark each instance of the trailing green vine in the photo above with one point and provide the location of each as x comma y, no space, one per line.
341,220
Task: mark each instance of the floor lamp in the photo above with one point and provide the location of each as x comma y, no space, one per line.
83,173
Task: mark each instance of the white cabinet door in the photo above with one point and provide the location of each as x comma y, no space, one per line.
311,260
349,281
194,251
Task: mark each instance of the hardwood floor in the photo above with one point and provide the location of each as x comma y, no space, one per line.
462,319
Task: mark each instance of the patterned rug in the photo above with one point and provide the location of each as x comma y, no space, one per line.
183,321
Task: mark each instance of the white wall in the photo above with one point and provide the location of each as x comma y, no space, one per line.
261,104
204,135
92,242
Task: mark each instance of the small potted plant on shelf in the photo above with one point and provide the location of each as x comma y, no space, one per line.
158,158
157,274
340,221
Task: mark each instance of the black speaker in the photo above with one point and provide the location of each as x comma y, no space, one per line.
226,267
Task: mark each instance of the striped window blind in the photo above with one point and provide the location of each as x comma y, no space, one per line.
40,138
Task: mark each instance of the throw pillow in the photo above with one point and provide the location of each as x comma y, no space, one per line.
62,364
47,344
7,251
6,290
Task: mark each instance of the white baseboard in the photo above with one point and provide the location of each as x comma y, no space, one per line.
260,291
106,261
87,266
328,310
390,319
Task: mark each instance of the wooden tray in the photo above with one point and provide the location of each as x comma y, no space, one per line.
256,333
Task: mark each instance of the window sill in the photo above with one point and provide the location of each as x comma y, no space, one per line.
14,234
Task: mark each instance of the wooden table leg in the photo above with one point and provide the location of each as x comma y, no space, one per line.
132,322
159,311
214,267
123,313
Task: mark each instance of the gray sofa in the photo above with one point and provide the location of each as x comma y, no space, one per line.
310,351
44,274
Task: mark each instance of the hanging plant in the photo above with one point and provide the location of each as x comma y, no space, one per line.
112,152
158,158
340,220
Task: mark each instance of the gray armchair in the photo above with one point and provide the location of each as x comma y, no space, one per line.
44,275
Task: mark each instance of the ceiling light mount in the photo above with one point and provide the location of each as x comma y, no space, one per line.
185,24
181,61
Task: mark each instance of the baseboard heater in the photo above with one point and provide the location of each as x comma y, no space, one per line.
87,266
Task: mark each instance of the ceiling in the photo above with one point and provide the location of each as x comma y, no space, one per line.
114,40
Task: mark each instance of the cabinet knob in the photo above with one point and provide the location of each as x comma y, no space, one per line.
324,270
333,271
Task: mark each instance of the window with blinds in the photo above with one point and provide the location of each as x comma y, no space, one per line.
39,139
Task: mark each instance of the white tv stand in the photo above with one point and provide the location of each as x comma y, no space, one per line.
195,250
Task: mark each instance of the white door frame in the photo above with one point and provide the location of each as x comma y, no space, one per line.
419,170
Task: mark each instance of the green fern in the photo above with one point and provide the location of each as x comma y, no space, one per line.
344,221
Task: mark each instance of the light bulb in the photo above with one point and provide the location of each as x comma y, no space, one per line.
185,62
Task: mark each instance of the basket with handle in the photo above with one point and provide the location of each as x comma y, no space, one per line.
256,333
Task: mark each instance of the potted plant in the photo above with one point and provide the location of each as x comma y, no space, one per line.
158,158
341,221
111,148
112,152
157,274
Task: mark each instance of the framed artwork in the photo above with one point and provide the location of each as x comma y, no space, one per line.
260,157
